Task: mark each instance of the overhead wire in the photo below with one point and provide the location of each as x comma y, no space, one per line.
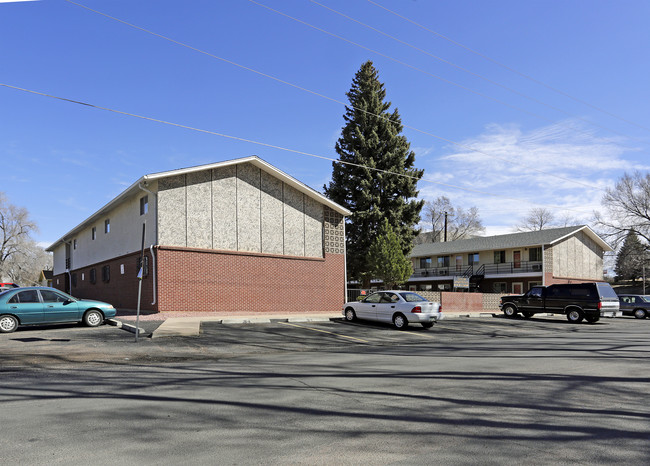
295,86
465,70
502,65
273,146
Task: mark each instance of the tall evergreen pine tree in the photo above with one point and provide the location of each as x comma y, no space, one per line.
629,261
371,138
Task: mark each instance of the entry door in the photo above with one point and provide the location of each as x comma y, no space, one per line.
459,263
516,259
518,288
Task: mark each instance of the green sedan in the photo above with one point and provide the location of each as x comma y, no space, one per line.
41,305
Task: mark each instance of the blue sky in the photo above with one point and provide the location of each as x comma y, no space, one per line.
530,145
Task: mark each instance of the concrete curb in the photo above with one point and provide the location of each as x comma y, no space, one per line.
128,327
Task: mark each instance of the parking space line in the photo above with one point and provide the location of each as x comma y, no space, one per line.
325,331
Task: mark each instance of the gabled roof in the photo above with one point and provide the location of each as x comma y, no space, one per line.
143,181
512,240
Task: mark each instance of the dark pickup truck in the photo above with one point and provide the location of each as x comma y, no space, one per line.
578,301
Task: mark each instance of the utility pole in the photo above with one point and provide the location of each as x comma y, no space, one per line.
445,227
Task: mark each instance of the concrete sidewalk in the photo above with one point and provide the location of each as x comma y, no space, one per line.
191,325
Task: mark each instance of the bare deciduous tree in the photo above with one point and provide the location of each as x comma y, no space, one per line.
536,219
461,223
25,265
15,230
628,209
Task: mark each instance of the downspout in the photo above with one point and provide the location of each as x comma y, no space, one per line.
67,270
144,188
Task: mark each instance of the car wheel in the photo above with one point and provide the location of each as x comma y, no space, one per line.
427,324
509,310
93,318
639,313
400,322
350,315
527,315
574,316
8,324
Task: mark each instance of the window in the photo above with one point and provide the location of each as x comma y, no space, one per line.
373,298
425,262
144,205
28,296
107,225
93,276
443,261
74,243
472,258
499,287
50,296
535,254
93,233
499,257
145,267
106,273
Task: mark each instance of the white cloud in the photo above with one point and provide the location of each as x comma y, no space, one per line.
555,167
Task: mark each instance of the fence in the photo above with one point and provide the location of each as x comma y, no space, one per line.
451,301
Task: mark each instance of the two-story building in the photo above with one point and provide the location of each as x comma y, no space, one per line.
510,263
238,236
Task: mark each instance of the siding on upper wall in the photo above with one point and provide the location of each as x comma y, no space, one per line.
125,235
239,208
578,257
224,208
172,214
199,208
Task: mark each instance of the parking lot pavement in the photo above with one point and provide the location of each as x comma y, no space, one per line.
493,391
70,343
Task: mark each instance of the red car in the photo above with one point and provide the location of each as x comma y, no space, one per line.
7,286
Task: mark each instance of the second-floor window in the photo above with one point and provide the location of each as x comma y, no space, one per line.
93,233
472,258
425,262
144,205
107,225
499,257
535,254
443,261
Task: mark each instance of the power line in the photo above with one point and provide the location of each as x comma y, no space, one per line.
465,70
523,75
449,141
272,146
403,63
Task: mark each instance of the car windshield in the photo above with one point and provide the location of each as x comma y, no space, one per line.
412,297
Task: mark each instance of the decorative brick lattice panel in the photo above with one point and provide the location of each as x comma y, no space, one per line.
491,301
432,296
334,232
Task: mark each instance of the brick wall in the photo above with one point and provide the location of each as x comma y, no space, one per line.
208,280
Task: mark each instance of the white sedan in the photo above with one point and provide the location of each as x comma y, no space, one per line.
397,307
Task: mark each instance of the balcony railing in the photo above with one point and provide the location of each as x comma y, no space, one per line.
479,269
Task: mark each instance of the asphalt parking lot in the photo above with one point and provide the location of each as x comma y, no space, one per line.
488,391
72,343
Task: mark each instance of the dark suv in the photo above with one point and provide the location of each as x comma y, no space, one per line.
578,301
